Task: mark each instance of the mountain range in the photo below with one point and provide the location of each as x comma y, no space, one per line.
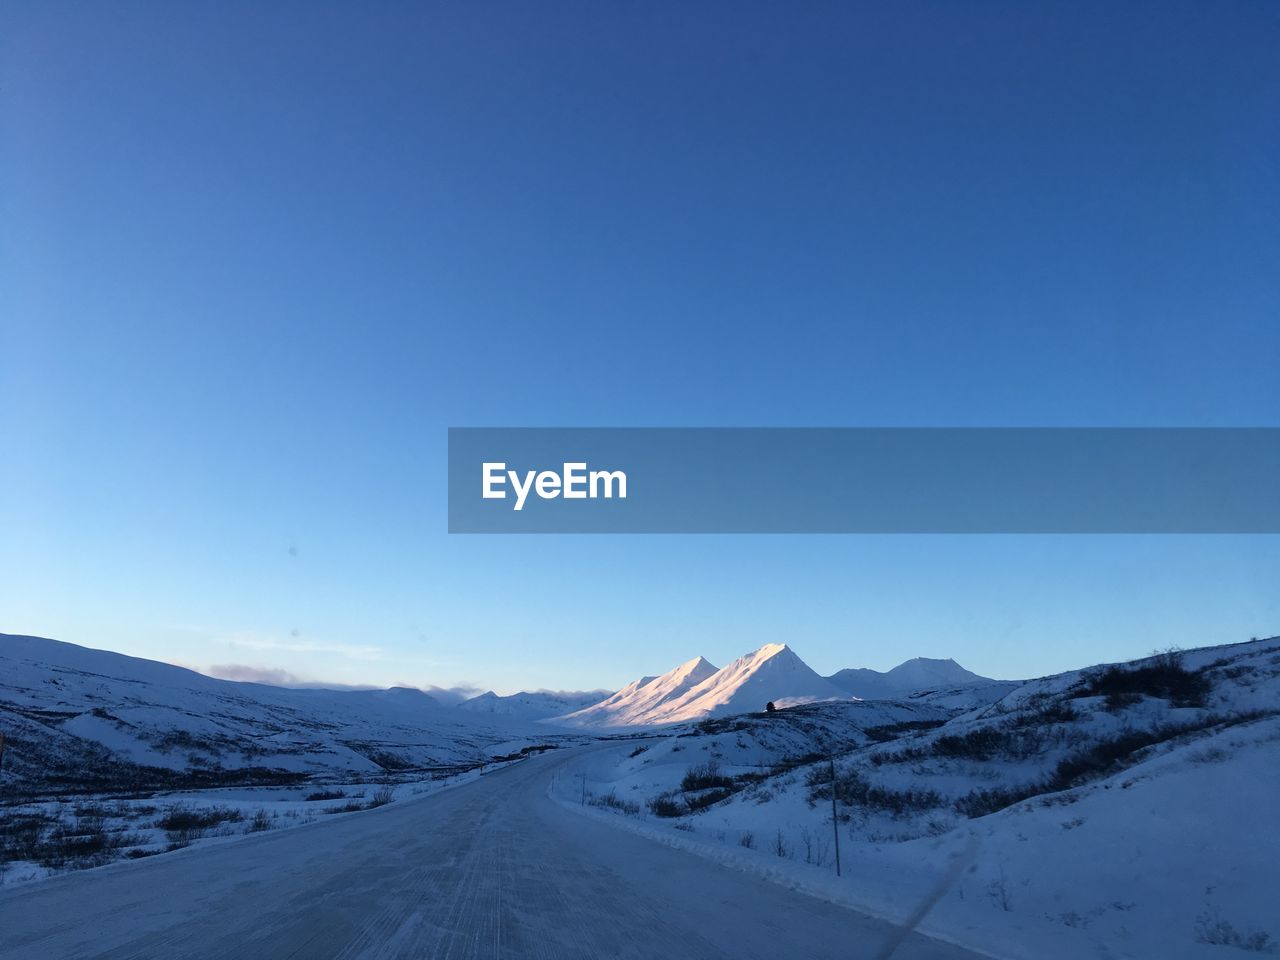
129,706
73,715
531,704
772,674
920,673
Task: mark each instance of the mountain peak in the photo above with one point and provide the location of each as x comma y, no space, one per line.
918,673
640,698
696,689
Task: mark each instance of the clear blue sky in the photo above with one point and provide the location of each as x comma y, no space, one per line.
255,260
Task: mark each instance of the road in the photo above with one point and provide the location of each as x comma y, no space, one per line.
492,869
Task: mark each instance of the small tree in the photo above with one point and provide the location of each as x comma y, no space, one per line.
770,707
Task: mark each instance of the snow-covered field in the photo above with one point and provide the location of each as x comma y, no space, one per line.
44,838
109,757
1118,811
1128,808
492,870
91,720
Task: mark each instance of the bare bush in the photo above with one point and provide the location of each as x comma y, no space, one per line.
381,797
325,795
705,776
184,824
612,801
1163,676
1212,928
779,845
665,806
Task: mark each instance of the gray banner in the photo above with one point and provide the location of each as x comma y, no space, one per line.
856,480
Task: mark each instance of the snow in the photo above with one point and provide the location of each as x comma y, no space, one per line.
1164,851
919,673
1115,812
491,869
641,700
697,689
531,705
137,826
90,718
771,674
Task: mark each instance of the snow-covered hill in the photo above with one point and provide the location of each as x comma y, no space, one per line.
697,689
531,705
771,674
1121,801
82,719
920,673
639,701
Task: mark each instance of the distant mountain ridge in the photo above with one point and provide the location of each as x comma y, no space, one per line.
919,673
772,674
696,689
532,704
75,714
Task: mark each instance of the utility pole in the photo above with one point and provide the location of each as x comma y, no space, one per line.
835,822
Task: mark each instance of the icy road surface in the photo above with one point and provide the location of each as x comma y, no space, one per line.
490,869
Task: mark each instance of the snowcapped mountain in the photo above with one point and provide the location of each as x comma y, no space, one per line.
696,689
920,673
92,718
640,699
772,673
532,705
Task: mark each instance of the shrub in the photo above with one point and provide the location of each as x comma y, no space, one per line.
325,795
905,755
779,844
747,839
22,835
787,764
701,801
614,802
382,797
351,806
665,806
705,776
184,824
86,842
1211,928
978,803
977,744
1094,761
1055,711
854,790
259,822
892,731
1163,676
637,751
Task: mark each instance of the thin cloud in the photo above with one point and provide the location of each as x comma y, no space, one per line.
352,651
450,696
275,677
